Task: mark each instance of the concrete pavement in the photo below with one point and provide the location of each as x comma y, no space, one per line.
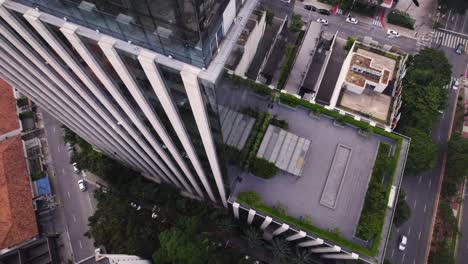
75,206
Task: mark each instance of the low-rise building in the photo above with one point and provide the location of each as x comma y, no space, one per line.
369,85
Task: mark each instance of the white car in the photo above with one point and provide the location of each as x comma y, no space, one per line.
352,20
75,169
392,33
322,21
81,185
455,85
402,244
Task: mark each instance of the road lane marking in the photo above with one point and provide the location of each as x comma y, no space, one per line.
63,170
403,258
393,252
409,231
414,205
69,195
414,261
420,179
430,182
425,205
54,129
58,149
74,218
79,241
419,236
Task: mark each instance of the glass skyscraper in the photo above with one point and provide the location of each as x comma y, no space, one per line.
133,78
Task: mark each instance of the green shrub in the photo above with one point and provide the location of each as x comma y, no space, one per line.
279,123
264,121
373,213
25,115
253,200
269,17
289,56
400,18
250,198
296,23
263,168
402,211
23,101
349,43
257,88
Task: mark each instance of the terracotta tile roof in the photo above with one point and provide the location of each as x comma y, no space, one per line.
8,116
17,218
387,2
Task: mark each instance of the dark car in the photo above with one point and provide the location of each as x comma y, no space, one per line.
460,48
324,12
310,7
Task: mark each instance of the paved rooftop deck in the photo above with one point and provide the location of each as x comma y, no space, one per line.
371,103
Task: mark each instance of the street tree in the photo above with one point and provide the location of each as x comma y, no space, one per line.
422,152
457,158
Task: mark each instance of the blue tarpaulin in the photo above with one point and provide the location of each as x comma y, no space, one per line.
43,186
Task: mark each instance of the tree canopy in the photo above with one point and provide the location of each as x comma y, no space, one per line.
457,158
423,93
422,152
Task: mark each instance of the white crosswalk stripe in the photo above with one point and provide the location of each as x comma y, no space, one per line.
376,21
339,11
449,40
425,40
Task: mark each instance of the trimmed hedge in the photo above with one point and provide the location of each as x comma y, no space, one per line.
289,56
263,168
258,136
375,205
400,18
253,200
280,123
257,88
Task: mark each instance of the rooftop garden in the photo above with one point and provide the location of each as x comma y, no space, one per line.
370,226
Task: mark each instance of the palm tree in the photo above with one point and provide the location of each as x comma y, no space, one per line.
226,224
301,257
253,237
280,250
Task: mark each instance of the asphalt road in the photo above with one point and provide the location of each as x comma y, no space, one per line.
421,189
76,205
456,22
337,23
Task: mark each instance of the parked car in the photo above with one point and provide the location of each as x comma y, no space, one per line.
310,7
351,20
75,168
82,185
455,84
322,21
136,206
324,12
460,48
392,33
402,243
